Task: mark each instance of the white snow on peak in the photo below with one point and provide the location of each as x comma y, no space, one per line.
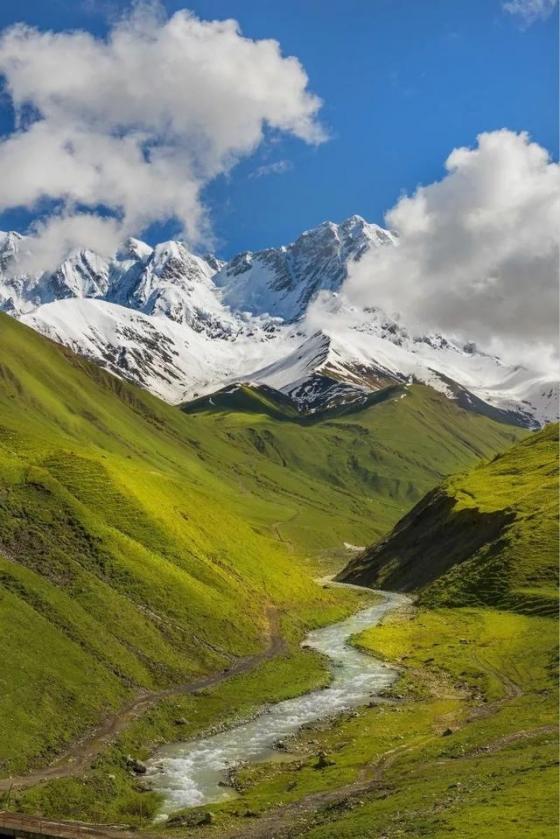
134,249
282,281
182,325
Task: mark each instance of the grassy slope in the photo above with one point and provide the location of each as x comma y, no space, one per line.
486,676
121,563
488,536
131,532
347,477
472,749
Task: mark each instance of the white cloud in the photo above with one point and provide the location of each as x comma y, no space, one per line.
57,235
138,123
276,168
529,11
478,252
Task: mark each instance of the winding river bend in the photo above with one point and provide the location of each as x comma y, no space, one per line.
189,774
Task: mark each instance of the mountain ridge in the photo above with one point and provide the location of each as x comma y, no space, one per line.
184,326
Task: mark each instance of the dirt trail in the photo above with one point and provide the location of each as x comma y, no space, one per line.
275,527
511,691
78,758
290,819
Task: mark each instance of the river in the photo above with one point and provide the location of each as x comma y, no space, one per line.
192,773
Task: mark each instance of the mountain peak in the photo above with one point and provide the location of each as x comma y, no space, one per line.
282,281
356,221
9,244
134,249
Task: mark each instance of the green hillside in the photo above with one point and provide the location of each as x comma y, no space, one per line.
487,537
122,566
467,744
345,477
140,545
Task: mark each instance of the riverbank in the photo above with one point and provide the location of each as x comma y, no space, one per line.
107,792
472,722
473,728
195,773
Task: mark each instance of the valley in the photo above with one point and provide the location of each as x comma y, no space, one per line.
472,719
192,774
279,420
130,533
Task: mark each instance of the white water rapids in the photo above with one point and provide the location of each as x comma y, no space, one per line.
189,774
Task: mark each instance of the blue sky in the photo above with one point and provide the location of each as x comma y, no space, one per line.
403,82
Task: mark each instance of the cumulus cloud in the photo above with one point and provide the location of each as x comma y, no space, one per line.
136,124
478,250
530,11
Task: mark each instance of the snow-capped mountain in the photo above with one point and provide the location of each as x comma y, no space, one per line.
282,281
184,326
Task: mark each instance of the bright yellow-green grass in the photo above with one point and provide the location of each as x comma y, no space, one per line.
521,569
108,793
487,536
140,546
122,564
469,749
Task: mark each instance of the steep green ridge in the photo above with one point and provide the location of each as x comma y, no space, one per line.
140,546
487,537
245,398
261,399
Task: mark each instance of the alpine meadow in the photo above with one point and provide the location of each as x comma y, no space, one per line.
279,497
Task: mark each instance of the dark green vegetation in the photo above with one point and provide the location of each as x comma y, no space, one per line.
262,399
490,536
141,546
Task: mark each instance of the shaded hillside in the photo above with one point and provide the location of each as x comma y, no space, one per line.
487,537
261,399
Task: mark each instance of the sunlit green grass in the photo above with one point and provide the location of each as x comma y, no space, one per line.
108,793
487,536
521,570
140,546
489,677
470,747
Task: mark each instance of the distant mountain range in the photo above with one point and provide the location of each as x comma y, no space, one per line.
184,326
